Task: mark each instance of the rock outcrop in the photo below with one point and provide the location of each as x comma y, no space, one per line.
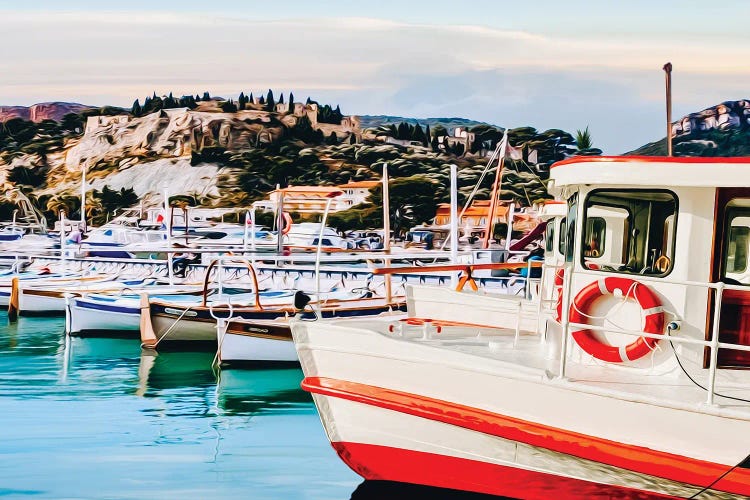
727,115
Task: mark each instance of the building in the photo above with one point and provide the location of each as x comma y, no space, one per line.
474,219
313,199
475,216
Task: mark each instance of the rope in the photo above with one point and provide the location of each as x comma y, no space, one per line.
171,327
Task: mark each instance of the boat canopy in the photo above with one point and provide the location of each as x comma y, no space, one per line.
652,171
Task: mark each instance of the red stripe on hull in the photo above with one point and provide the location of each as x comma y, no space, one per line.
634,458
376,462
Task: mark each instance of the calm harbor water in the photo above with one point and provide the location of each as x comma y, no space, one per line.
102,420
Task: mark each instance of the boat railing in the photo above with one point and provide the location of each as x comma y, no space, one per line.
712,343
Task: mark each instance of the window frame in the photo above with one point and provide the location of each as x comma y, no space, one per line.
549,236
731,213
584,222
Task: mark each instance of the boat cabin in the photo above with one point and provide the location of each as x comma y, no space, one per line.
679,227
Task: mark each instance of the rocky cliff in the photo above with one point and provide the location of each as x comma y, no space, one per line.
41,111
720,130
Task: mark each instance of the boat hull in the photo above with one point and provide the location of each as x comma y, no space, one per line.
88,317
257,342
382,400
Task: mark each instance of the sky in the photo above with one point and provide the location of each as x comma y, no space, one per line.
547,64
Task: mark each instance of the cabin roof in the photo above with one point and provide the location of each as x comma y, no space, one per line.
658,171
359,184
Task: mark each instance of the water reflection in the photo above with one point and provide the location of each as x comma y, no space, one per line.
100,418
377,490
262,391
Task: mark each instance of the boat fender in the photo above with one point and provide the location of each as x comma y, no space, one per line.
618,287
287,223
559,278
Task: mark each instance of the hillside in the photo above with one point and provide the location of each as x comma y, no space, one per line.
374,121
721,130
226,153
41,111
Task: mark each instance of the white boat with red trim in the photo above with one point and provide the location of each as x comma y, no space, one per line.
632,382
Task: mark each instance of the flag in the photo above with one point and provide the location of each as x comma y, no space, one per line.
514,153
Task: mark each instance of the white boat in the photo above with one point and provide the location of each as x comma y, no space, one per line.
629,388
194,319
48,297
260,341
109,314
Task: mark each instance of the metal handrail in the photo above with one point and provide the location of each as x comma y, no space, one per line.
713,343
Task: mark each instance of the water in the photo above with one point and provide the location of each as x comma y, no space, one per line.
103,420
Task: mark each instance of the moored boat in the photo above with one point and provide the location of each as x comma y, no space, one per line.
627,385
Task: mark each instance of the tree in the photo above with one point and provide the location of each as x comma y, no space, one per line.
136,109
583,139
206,96
418,135
291,102
270,103
242,100
281,98
584,144
251,99
412,202
228,106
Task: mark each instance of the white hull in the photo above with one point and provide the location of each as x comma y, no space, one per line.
84,319
636,434
244,348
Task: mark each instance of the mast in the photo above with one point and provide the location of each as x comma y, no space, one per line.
668,77
386,211
84,167
495,190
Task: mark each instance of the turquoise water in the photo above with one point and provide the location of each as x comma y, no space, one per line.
100,419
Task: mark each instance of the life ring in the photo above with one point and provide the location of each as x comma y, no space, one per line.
286,225
647,300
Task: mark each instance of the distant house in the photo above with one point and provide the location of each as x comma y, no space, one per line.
313,199
475,216
460,136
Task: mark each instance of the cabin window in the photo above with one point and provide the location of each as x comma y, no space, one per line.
549,236
595,237
737,246
630,231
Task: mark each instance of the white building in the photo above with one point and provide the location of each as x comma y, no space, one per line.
313,199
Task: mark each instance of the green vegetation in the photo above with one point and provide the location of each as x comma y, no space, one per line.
585,145
294,152
732,142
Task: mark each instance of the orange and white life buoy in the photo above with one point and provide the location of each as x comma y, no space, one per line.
287,223
646,299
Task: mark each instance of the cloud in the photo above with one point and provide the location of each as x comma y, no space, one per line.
507,76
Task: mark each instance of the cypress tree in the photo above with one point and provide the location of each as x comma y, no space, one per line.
197,98
136,110
251,99
291,102
241,100
206,96
417,134
261,100
270,103
281,98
